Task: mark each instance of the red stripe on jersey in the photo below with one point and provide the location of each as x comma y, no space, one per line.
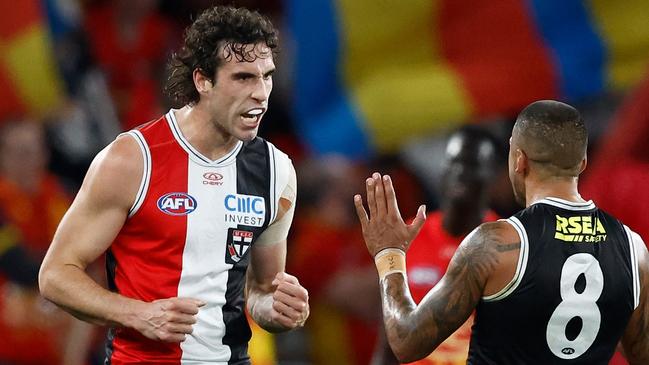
149,248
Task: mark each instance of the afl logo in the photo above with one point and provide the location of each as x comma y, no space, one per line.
568,351
212,178
177,203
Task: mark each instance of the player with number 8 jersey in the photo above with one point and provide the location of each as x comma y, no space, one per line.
575,287
560,282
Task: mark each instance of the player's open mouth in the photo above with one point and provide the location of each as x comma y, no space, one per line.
253,116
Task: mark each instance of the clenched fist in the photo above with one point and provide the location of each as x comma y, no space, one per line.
290,307
168,320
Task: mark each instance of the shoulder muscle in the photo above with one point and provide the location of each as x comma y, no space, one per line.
115,174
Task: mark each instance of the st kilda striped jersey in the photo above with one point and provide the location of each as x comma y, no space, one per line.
575,288
189,234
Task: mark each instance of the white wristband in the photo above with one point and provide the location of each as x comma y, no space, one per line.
389,261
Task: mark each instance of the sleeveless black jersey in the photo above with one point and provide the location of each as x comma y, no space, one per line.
575,287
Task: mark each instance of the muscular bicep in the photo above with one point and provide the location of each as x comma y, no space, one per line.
636,337
454,298
100,208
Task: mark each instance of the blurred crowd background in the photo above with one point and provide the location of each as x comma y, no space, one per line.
361,86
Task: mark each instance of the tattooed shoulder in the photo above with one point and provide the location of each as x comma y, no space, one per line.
480,249
504,247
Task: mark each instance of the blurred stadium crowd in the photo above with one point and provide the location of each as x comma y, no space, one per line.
74,74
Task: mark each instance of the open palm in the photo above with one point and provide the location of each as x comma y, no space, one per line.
384,227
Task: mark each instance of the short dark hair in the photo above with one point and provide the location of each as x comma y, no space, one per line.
553,134
216,27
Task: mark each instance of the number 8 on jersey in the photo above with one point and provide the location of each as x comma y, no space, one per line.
575,304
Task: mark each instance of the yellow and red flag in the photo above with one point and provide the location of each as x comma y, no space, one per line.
29,79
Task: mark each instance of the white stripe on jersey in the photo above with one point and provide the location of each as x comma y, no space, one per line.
146,171
273,183
566,204
204,271
520,267
634,239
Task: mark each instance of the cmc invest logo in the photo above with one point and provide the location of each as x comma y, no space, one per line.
246,210
177,203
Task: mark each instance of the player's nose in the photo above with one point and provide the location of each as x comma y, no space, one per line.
261,91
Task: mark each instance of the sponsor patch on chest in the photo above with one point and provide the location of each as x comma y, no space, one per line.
212,179
246,210
177,203
239,242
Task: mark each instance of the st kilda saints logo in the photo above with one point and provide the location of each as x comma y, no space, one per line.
238,244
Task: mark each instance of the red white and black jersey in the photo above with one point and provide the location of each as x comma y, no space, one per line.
189,234
575,288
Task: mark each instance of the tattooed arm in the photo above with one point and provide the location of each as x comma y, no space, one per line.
476,269
636,337
414,332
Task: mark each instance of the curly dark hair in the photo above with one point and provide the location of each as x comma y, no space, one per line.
220,26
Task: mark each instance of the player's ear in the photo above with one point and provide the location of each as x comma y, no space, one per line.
203,83
521,162
584,163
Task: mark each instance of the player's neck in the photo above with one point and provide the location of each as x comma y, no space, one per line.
204,135
565,189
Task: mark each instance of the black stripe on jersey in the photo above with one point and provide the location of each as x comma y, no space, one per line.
253,178
111,264
110,337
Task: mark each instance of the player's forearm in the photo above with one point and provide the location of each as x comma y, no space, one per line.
408,339
260,308
71,288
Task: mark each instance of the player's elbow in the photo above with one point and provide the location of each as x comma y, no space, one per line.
406,355
409,350
402,357
47,281
411,343
44,280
